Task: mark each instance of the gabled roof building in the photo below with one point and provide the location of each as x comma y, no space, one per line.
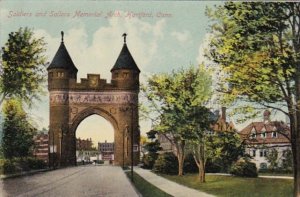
261,137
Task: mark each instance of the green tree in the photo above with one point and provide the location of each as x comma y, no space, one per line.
272,158
174,98
225,148
202,119
22,66
152,149
257,46
17,131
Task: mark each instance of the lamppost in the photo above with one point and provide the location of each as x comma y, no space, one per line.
60,148
133,107
132,142
125,135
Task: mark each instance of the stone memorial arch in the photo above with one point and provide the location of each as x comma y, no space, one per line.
72,101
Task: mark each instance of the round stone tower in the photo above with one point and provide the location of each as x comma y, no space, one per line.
125,73
62,69
61,73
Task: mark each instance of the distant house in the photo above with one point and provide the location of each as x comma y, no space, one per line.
41,146
82,144
261,137
85,150
165,143
106,150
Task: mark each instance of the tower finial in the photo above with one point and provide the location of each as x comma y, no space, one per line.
124,35
62,36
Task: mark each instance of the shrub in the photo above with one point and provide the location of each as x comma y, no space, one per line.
16,165
9,167
166,163
244,169
190,165
212,167
35,163
149,160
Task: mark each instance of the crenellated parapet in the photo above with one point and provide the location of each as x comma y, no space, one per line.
93,82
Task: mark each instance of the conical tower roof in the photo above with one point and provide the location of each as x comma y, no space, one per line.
62,59
125,60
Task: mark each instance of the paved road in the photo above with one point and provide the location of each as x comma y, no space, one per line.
71,182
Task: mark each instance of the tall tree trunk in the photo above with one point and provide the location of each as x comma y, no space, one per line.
199,157
201,172
202,162
297,169
180,165
295,138
180,157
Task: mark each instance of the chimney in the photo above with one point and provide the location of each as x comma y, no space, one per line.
267,115
223,115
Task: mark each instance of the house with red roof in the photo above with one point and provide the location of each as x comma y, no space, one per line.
261,137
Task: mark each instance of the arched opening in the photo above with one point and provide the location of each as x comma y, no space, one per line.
94,141
94,117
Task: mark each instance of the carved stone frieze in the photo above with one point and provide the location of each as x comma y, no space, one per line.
64,97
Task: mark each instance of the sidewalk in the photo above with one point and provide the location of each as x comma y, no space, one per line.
169,187
260,176
276,177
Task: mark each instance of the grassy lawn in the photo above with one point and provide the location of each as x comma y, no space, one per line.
236,186
145,188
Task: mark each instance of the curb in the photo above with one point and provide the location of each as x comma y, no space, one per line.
27,173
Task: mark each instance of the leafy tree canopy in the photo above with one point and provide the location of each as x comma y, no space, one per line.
257,48
22,66
17,131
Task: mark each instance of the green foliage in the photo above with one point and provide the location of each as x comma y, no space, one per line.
287,160
35,164
17,131
244,169
254,44
178,98
8,167
190,165
166,163
151,134
149,160
151,148
272,158
22,66
17,165
223,149
212,167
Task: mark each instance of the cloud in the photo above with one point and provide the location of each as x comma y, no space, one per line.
182,37
102,53
4,13
202,50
